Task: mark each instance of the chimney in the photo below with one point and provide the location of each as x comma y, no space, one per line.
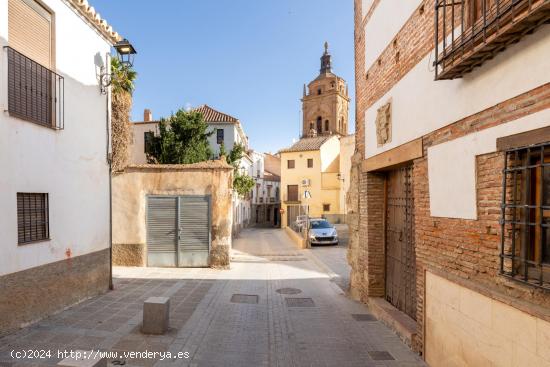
147,115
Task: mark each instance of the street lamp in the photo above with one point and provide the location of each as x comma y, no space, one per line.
125,54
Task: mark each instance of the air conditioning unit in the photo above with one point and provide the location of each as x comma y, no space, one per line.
306,182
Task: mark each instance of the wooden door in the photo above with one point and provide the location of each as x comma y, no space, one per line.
400,254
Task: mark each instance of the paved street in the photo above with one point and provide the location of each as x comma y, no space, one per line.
275,307
334,258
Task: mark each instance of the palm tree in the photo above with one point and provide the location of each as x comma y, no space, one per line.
122,77
122,84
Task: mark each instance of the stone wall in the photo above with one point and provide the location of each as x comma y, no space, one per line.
30,295
130,189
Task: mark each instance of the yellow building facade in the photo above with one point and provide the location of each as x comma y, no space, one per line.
310,179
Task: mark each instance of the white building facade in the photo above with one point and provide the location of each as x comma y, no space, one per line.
54,148
265,196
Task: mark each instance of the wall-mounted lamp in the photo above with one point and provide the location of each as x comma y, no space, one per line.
125,54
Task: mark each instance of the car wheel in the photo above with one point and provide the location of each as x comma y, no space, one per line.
336,243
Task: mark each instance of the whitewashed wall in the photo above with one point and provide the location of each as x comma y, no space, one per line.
70,165
421,105
230,137
459,199
386,21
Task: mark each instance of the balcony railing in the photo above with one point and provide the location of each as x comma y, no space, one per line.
35,93
473,31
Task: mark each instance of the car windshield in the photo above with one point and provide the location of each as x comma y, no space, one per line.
317,224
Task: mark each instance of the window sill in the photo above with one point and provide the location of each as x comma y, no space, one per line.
34,242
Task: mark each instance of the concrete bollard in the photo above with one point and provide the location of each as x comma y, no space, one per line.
83,358
156,315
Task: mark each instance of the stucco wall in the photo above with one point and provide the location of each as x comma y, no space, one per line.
459,200
130,190
71,164
466,328
384,24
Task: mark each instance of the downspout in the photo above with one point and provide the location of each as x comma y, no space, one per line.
109,162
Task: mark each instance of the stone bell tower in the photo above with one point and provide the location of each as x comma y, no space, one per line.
325,103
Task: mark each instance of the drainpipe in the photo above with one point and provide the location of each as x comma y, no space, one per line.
109,162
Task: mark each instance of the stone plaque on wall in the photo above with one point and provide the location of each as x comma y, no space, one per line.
383,124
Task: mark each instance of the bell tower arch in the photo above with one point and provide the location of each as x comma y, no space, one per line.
325,102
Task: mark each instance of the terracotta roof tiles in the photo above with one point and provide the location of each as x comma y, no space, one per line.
306,144
211,115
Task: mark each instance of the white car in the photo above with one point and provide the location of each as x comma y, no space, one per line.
321,232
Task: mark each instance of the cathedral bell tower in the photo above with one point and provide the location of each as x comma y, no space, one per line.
325,103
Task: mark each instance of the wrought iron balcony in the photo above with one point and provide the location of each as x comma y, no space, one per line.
473,31
35,93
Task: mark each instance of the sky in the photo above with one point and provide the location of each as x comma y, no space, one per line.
247,58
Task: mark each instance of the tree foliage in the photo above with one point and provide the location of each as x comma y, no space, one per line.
183,139
122,77
242,184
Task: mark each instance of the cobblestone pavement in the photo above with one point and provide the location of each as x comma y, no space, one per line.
275,307
334,257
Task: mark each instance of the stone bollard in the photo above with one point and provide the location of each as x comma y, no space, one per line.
156,314
83,358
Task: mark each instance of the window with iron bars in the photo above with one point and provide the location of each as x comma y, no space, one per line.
525,218
32,217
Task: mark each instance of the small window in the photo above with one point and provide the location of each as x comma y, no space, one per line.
219,136
32,217
290,163
326,125
310,163
525,232
148,138
319,91
326,207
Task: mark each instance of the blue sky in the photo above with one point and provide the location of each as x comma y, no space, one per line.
247,58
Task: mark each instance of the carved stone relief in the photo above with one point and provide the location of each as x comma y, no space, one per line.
383,124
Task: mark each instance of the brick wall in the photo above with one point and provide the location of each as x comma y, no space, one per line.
466,251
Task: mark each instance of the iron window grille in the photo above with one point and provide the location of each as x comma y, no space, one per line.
35,93
290,164
469,32
310,163
525,215
32,217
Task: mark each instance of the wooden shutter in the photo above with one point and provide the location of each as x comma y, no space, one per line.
292,192
30,30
